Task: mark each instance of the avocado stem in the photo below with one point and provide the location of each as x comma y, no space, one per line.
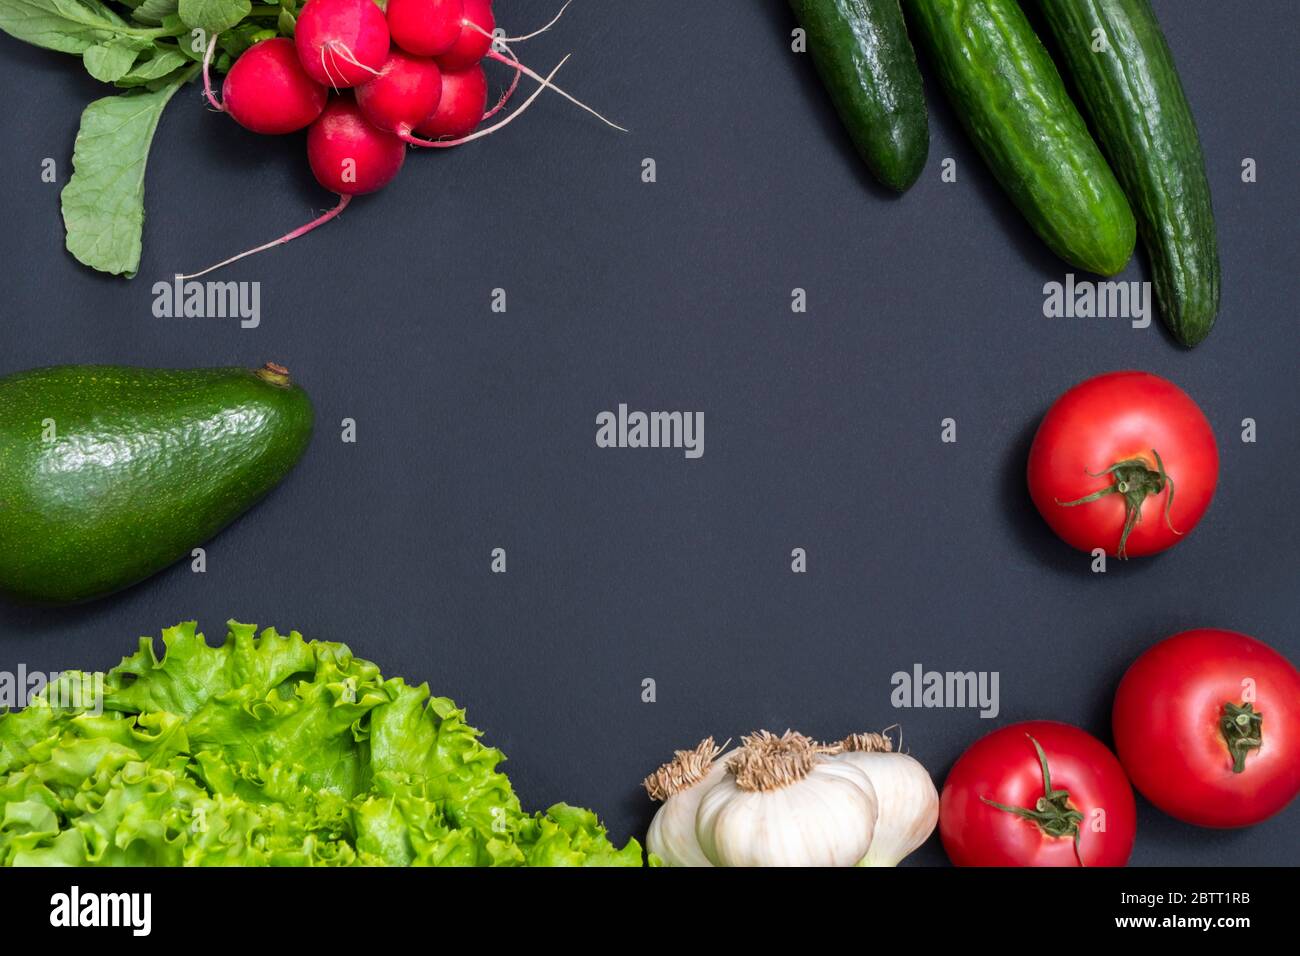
274,374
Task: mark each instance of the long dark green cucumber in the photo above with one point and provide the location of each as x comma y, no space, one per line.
1125,75
1011,99
868,66
109,474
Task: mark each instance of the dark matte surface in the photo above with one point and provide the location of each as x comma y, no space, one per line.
476,430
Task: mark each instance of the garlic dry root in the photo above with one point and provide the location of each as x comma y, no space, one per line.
680,784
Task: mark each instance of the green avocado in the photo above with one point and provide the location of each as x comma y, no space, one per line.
108,474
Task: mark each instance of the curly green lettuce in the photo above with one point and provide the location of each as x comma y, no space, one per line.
267,751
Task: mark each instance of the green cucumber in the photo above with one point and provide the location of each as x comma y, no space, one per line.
1125,76
867,64
109,474
1011,99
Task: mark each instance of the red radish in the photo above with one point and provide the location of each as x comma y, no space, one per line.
407,90
475,36
425,27
267,90
337,42
341,42
348,155
464,98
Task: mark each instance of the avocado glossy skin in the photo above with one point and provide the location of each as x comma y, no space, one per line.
108,474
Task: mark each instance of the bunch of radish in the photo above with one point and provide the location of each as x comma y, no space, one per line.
365,83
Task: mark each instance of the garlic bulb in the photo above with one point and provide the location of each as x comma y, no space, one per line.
681,784
784,802
907,800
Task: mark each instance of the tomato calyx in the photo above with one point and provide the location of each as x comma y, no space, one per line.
1135,480
1242,729
1052,812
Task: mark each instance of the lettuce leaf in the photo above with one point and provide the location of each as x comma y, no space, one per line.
269,750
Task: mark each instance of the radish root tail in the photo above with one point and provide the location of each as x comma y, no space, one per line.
348,56
514,64
512,61
325,67
300,231
505,97
488,131
537,33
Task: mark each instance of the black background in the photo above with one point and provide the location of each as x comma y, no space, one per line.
476,430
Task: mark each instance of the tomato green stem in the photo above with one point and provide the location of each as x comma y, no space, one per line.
1052,811
1136,482
1242,729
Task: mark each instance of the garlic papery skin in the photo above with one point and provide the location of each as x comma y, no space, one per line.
681,784
784,802
905,795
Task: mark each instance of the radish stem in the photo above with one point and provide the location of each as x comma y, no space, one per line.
207,76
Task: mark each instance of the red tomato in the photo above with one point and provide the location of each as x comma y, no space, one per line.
1207,724
1125,462
1091,796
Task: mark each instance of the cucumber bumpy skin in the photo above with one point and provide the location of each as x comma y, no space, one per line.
866,62
1132,94
108,474
1011,99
